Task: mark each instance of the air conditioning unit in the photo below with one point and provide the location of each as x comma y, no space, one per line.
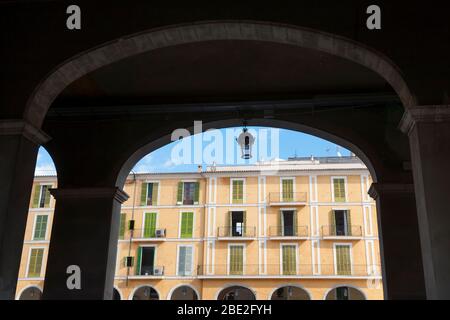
160,233
159,271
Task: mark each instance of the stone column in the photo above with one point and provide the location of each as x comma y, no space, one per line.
19,144
84,234
399,241
428,128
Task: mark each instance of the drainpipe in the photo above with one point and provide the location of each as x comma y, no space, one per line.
132,218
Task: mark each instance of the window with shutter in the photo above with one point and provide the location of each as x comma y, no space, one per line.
236,259
343,260
40,228
187,224
238,191
123,217
289,259
287,191
35,265
339,189
150,224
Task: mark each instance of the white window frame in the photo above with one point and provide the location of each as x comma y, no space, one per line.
159,191
335,256
180,217
345,187
29,259
34,226
178,260
244,257
244,198
296,256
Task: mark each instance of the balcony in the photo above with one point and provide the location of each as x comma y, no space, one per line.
294,271
286,233
143,235
236,233
291,199
149,272
342,233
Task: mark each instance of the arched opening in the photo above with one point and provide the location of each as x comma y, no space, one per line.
236,293
160,137
184,292
133,45
145,293
290,293
116,294
345,293
31,293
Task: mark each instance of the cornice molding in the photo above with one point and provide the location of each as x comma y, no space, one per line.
86,193
20,127
379,189
424,114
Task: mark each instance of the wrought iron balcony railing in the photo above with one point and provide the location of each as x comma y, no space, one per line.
288,231
151,271
154,234
341,231
290,197
236,231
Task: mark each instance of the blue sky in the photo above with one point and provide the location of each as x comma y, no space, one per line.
269,144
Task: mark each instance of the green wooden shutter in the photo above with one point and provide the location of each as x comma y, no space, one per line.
34,268
149,224
287,190
238,191
339,190
332,226
289,260
123,217
343,261
348,218
138,261
144,192
155,194
236,260
196,192
295,224
280,229
47,197
180,193
36,196
187,224
228,226
245,231
40,227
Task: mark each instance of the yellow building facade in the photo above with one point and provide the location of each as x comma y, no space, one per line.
295,229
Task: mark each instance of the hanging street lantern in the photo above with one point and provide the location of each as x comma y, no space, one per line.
245,141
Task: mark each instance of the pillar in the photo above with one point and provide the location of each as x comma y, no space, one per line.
399,241
428,129
85,234
19,144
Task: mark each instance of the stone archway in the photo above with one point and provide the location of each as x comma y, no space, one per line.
71,70
31,293
236,293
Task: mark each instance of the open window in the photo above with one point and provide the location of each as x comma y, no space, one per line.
288,223
188,193
237,223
